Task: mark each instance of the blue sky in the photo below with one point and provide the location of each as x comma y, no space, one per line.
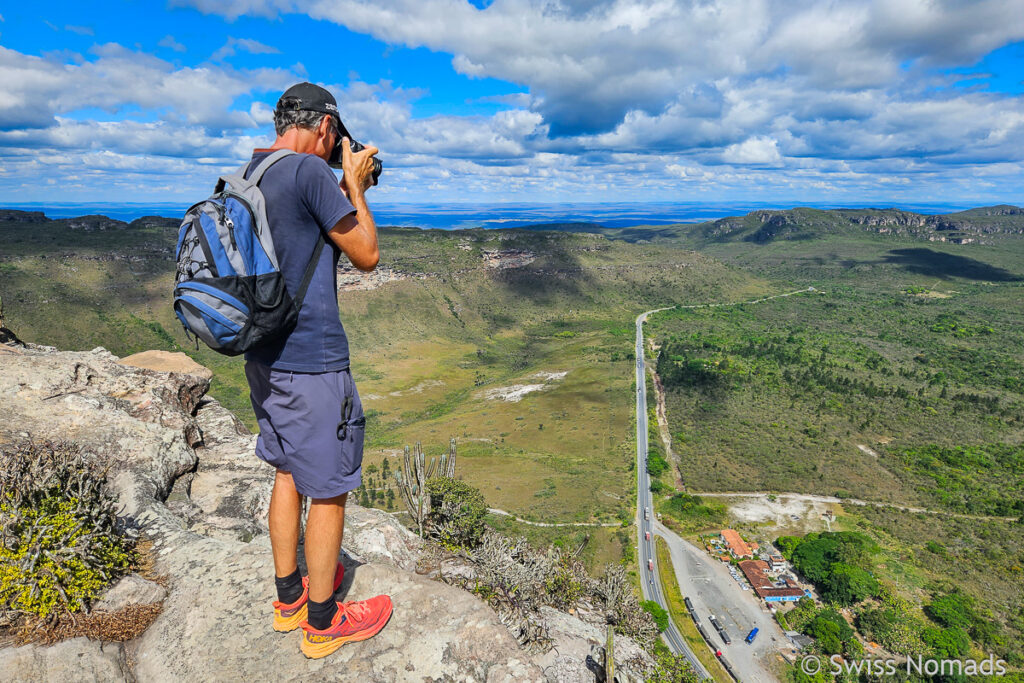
901,101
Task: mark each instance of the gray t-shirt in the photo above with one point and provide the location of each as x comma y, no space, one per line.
303,203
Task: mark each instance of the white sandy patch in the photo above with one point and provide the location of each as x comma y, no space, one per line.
516,392
513,393
426,384
867,450
371,397
550,375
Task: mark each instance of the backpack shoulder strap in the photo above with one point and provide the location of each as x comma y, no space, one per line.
307,277
238,179
257,174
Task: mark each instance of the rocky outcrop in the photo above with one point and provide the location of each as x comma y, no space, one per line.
14,216
96,222
167,361
352,279
79,659
507,258
184,470
130,590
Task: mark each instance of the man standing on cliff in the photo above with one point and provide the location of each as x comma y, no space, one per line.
309,413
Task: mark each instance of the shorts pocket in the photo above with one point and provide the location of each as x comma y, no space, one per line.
352,447
352,429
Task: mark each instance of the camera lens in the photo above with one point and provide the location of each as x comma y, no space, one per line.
354,146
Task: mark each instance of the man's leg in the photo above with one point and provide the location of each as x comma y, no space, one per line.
324,529
285,513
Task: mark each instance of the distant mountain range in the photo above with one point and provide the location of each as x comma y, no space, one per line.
760,226
802,223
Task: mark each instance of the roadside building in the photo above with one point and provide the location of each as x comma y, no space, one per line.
756,572
776,562
737,546
799,640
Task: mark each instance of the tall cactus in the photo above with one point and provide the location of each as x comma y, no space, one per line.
412,479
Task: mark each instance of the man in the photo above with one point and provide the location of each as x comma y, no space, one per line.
309,413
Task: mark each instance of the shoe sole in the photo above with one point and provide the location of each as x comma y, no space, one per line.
289,624
318,650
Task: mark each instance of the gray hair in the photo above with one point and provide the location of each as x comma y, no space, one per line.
287,116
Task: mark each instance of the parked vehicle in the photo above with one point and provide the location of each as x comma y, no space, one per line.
751,636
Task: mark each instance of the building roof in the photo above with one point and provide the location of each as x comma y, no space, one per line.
736,544
756,573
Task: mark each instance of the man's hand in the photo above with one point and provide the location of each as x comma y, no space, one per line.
357,168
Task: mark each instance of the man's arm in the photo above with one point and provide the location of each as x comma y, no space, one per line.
356,233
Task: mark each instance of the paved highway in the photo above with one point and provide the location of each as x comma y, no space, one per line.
644,514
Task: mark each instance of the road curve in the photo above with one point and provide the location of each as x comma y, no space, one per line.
646,555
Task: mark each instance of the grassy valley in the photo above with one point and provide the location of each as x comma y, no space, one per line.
517,343
897,378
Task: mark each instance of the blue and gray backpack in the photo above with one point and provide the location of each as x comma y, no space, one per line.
229,290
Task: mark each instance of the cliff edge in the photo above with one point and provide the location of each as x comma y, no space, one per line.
184,471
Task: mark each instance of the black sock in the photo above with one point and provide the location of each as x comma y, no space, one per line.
321,613
289,588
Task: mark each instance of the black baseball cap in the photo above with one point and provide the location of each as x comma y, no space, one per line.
314,98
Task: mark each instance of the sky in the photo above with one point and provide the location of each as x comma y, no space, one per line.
531,101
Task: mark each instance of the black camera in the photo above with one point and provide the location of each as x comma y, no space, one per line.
335,160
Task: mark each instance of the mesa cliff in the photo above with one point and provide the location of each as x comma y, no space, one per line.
183,469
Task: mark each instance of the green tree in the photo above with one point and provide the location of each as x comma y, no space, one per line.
830,630
847,585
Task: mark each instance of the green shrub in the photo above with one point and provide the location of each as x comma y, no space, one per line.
895,625
565,584
61,543
953,610
656,465
695,510
657,613
670,667
457,510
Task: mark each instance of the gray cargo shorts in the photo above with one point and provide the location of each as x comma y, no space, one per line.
311,425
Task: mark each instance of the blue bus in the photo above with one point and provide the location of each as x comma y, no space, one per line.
751,636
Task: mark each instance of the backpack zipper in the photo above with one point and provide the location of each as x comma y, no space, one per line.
226,219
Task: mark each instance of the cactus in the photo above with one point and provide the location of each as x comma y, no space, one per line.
609,655
60,541
412,480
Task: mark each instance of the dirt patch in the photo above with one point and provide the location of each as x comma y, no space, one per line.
789,514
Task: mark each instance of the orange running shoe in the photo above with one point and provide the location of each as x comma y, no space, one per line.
354,621
288,617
